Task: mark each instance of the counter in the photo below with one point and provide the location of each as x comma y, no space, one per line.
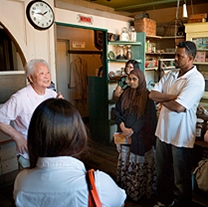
4,138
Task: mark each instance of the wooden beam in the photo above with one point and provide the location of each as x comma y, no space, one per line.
152,3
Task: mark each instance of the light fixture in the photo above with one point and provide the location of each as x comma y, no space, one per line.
185,14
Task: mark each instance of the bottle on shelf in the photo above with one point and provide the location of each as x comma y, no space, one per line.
199,129
124,34
148,46
129,53
132,34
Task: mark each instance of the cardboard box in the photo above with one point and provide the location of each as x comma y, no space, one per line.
196,20
145,25
198,16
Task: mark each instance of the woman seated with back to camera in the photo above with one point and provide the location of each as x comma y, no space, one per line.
123,82
56,177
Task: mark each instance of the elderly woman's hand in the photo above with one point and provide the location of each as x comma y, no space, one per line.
59,95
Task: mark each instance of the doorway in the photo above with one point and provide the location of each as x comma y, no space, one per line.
83,45
78,57
63,68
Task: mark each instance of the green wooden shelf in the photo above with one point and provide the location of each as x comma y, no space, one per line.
124,43
123,60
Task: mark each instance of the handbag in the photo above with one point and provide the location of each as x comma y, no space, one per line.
93,198
201,173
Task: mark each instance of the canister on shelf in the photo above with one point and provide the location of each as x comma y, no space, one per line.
124,36
199,129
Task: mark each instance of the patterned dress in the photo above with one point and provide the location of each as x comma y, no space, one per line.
136,162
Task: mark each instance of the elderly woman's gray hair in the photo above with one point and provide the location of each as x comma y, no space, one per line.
30,66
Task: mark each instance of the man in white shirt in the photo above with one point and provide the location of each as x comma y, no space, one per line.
179,93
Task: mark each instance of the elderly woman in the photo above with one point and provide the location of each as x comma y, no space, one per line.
56,139
20,106
136,118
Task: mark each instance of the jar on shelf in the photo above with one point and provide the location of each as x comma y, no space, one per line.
199,129
132,34
124,34
148,46
120,55
129,52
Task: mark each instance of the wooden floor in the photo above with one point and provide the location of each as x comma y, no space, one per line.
104,158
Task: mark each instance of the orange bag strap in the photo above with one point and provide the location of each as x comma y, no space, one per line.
94,200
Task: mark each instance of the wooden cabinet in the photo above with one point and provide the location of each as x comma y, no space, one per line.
100,89
116,65
8,161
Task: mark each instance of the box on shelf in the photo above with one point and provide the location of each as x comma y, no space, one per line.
145,25
200,57
197,18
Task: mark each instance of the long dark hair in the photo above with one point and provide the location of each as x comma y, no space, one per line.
56,129
133,62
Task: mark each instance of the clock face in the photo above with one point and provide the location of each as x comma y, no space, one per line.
40,14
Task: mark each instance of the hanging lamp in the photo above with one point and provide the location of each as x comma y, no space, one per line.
185,14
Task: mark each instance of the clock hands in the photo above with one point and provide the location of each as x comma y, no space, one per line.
42,13
45,12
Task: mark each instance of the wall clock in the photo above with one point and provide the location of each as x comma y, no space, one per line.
40,14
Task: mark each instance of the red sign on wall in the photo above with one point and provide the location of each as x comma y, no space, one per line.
85,19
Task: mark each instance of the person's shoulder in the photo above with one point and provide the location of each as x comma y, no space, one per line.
51,92
102,175
23,174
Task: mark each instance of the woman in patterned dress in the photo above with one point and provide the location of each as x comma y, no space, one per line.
136,118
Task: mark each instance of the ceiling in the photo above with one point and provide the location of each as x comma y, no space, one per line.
133,6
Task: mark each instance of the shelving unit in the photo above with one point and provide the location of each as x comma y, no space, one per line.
195,32
115,65
100,89
199,32
164,51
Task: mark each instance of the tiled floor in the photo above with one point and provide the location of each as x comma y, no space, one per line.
104,158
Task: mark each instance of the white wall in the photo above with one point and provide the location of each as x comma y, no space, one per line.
33,43
41,44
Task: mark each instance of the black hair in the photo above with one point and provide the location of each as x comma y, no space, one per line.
134,63
56,129
189,46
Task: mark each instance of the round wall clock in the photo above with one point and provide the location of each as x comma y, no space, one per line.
40,14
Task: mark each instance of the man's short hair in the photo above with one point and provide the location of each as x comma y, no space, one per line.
189,46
